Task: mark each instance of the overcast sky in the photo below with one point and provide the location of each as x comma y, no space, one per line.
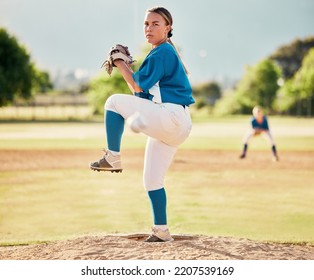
217,38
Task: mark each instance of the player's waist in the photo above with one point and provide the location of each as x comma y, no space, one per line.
150,97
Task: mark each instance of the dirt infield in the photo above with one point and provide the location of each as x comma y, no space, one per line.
185,160
120,247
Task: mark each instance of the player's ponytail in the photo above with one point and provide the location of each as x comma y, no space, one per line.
168,18
186,70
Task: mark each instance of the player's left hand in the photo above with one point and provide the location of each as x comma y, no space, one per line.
116,53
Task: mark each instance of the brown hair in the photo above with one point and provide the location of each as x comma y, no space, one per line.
168,18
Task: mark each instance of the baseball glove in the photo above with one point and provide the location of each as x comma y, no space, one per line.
117,52
257,131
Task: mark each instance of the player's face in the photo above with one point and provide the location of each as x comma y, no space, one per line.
155,29
258,114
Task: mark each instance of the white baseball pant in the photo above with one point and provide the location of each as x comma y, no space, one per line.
167,125
265,133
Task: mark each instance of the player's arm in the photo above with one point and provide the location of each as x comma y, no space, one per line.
266,126
127,72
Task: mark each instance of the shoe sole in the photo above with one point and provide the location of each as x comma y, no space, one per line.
106,169
159,241
154,239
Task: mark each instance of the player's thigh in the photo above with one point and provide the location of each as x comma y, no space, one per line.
126,105
152,113
157,117
169,123
268,136
247,137
157,160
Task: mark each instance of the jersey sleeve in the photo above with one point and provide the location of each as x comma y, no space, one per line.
150,72
266,127
253,123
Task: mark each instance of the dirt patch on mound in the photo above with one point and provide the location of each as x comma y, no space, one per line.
132,247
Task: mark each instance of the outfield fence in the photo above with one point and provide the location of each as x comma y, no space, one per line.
46,107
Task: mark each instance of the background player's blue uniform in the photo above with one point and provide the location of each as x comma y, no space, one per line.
259,125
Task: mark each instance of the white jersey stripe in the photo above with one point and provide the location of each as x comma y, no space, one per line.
155,91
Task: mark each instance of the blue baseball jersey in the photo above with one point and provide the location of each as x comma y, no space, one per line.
162,77
263,125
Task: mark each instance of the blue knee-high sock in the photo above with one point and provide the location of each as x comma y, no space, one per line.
273,148
114,128
244,149
158,201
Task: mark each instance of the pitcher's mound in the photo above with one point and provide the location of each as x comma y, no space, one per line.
133,247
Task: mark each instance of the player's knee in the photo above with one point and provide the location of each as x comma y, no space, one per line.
137,122
116,102
154,188
111,102
152,185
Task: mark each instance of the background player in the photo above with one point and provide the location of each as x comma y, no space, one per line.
158,108
259,126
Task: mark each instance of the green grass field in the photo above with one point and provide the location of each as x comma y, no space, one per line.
271,203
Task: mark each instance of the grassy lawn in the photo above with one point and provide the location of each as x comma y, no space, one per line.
38,205
49,205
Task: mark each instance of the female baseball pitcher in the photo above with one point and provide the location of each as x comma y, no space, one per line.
159,108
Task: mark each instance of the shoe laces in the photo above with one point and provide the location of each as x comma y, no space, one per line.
106,151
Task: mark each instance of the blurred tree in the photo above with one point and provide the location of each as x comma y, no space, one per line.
227,104
258,86
16,69
289,57
297,94
41,81
207,93
84,88
260,83
18,75
101,87
304,78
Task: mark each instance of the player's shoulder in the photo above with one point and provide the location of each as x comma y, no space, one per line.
164,48
164,53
